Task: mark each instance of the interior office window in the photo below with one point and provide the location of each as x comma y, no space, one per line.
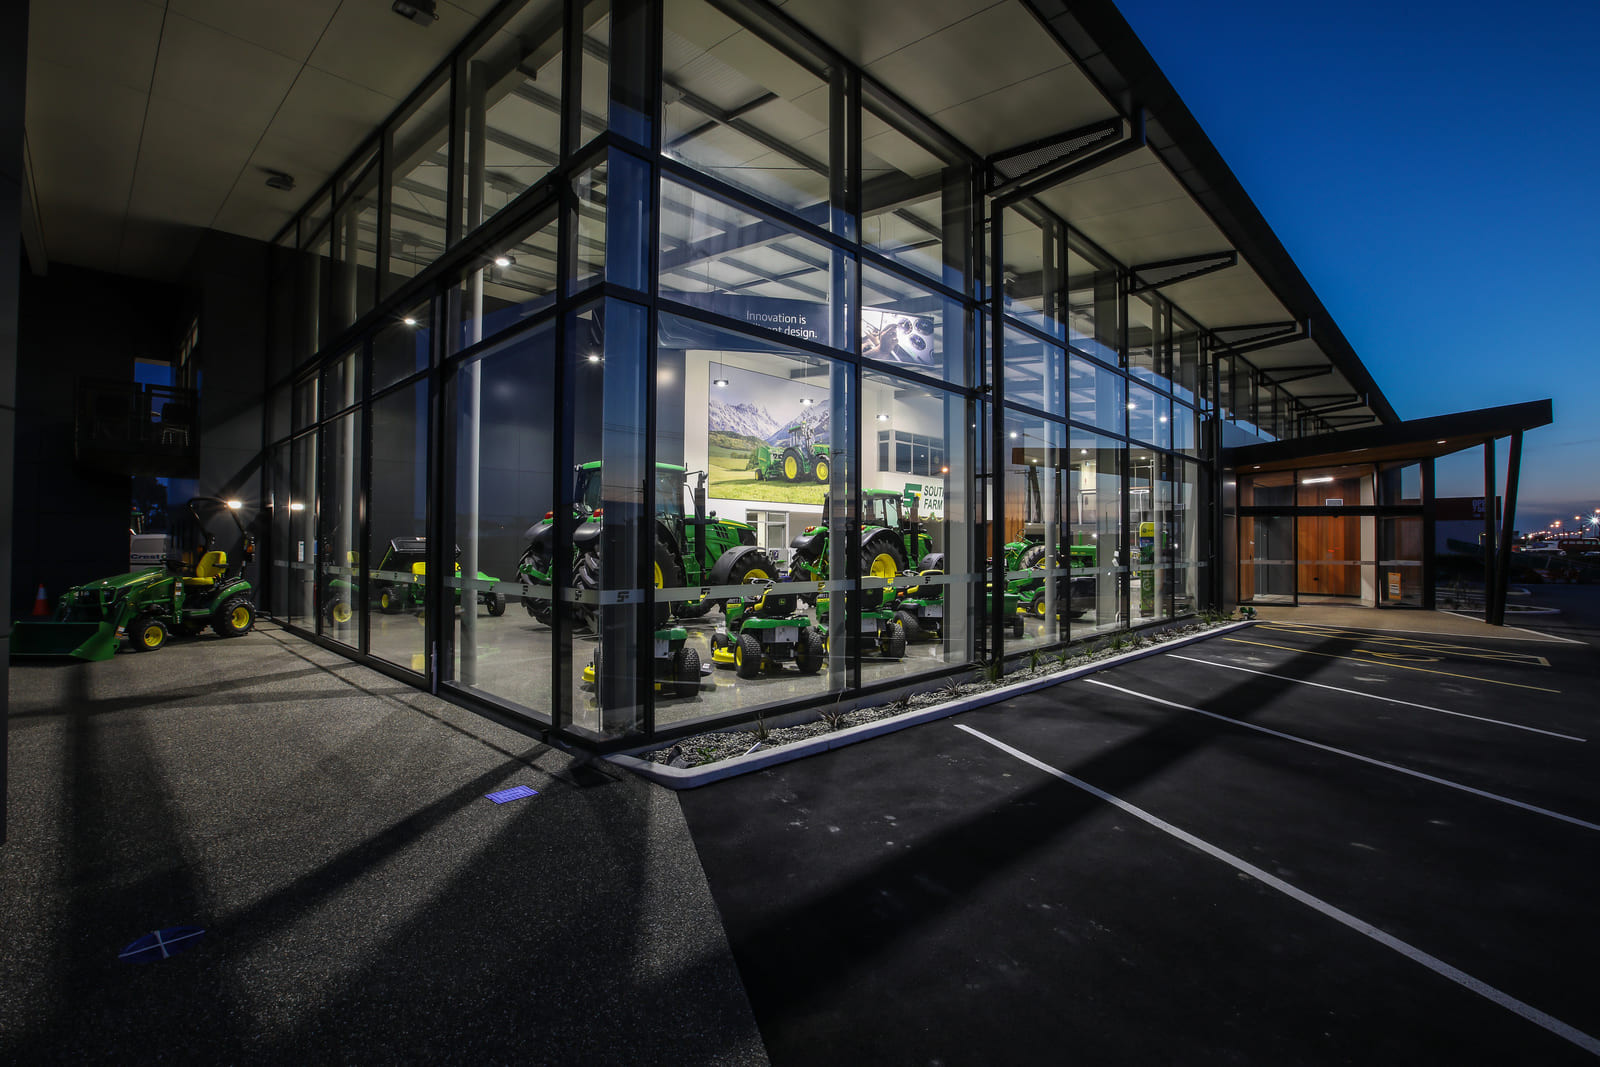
419,146
731,262
744,110
512,94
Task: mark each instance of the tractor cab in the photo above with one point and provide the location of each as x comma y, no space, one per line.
883,508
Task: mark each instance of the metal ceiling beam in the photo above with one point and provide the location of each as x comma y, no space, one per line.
1028,186
1208,263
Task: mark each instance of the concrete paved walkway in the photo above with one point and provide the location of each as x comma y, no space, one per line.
1435,622
326,826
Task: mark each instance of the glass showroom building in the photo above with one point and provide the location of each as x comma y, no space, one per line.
632,306
666,363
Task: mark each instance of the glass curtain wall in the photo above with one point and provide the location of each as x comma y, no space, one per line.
635,377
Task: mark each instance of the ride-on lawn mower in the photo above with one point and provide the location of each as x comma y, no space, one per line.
200,586
920,608
409,555
766,629
881,633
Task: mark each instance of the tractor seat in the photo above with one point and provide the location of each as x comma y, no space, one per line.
212,565
776,605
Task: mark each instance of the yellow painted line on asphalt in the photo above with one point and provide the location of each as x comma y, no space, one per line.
1387,663
1439,647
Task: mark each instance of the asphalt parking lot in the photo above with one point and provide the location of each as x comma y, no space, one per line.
1287,844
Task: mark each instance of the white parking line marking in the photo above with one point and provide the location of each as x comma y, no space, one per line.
1344,918
1375,696
1355,756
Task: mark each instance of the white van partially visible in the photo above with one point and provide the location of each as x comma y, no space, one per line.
146,551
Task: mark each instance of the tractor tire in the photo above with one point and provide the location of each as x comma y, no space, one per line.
234,617
341,612
390,602
1030,558
810,654
1014,624
933,561
881,557
821,471
539,608
747,656
496,605
894,645
147,634
910,628
686,669
586,577
752,566
667,575
792,465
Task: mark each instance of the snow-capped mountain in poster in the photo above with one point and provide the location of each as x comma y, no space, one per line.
819,415
743,418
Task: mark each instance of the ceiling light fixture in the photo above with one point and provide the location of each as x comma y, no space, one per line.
594,357
409,320
806,401
277,179
236,504
422,12
883,417
504,260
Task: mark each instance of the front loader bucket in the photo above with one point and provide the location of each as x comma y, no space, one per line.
85,640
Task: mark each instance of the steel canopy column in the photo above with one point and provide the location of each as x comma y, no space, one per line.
1503,564
1489,583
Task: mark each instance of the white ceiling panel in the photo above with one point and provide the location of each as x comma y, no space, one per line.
998,47
329,115
180,139
866,32
370,45
288,27
110,42
1053,102
220,74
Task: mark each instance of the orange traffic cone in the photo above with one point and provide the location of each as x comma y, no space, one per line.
41,603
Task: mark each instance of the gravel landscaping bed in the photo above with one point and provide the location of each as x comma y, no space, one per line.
701,749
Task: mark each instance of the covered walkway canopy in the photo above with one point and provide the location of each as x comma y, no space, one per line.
1422,440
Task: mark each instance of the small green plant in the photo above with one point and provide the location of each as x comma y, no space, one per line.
992,671
834,719
761,730
1033,659
1063,657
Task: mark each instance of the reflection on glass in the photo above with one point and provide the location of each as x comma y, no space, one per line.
913,196
1047,580
1035,372
513,109
739,265
504,488
1400,561
742,110
508,284
1266,559
1095,513
338,544
301,545
901,322
417,196
398,525
1098,395
400,347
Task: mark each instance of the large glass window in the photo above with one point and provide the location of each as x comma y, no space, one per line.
903,322
744,423
1098,395
1044,591
1095,513
747,112
418,190
300,548
739,265
505,469
398,528
513,109
1035,372
916,200
338,544
508,284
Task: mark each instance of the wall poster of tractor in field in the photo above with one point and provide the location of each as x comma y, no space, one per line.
770,439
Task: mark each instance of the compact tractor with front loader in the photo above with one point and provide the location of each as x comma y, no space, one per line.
200,586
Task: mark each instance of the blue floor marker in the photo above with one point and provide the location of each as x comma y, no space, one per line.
161,944
516,792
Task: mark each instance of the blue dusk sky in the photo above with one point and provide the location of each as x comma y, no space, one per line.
1434,170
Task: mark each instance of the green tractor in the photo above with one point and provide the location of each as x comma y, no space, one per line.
767,629
1075,589
409,555
689,550
881,634
889,541
202,586
802,459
